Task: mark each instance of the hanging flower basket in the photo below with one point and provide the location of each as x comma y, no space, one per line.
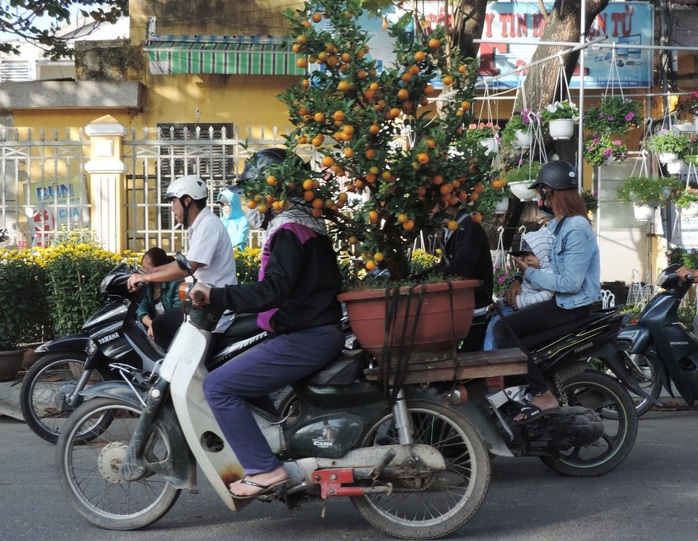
490,144
676,167
561,128
520,189
691,210
643,213
523,138
502,206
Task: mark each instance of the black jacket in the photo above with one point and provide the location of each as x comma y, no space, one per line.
298,286
466,254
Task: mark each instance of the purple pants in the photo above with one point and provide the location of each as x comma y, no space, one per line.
250,377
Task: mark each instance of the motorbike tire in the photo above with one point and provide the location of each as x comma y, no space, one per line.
598,391
90,473
54,375
645,371
450,498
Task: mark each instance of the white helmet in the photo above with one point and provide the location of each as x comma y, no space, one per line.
190,185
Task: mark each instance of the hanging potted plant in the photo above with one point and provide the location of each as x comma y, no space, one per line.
687,201
591,201
486,134
604,150
518,131
687,108
494,199
646,193
377,189
614,115
560,118
520,178
668,145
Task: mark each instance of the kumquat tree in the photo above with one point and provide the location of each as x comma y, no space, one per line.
391,156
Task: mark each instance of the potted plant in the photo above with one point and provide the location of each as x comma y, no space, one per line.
687,200
518,130
669,145
687,108
519,179
614,115
604,150
378,190
494,199
591,201
485,133
691,156
646,193
560,117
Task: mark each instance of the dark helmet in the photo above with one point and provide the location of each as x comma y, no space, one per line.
259,160
558,175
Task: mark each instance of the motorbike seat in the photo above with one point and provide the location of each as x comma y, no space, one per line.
243,326
342,370
542,338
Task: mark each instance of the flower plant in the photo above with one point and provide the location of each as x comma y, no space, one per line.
591,200
523,121
675,255
688,104
477,131
687,196
525,172
598,149
377,189
559,110
614,115
668,141
652,191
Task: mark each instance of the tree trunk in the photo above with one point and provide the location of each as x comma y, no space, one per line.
468,21
562,25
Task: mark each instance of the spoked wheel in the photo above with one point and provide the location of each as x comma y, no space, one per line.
601,393
89,472
434,507
44,388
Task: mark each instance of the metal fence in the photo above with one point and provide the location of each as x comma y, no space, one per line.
45,187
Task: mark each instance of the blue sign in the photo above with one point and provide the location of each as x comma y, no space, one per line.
623,23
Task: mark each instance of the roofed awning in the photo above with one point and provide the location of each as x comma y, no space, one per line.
231,55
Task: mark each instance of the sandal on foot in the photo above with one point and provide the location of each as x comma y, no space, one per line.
263,489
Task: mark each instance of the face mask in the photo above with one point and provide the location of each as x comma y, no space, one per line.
542,207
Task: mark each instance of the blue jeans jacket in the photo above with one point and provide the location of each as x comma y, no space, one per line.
576,276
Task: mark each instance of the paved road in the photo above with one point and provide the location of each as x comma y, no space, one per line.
653,495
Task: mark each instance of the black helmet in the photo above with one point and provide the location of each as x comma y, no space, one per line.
259,160
558,175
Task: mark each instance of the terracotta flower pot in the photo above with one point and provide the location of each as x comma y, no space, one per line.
445,316
10,363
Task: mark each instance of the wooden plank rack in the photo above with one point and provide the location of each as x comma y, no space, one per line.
470,365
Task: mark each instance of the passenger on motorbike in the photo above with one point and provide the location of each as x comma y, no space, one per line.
210,252
575,280
296,301
160,296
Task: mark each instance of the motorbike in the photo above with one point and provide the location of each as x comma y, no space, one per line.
53,387
595,428
415,466
659,338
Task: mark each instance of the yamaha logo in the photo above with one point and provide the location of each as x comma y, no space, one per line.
582,348
108,338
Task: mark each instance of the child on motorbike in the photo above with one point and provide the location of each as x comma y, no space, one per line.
575,280
296,301
535,250
160,296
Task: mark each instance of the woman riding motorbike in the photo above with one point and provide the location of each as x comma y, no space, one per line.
575,279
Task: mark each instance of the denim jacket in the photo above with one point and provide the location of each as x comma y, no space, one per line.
576,265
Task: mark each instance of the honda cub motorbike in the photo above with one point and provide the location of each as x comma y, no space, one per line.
112,343
658,336
415,467
592,432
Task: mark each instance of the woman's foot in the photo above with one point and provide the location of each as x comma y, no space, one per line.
254,485
542,402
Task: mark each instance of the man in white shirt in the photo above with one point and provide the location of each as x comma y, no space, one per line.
210,252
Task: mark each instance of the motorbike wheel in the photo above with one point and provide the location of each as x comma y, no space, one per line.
598,392
89,473
645,371
44,387
447,500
